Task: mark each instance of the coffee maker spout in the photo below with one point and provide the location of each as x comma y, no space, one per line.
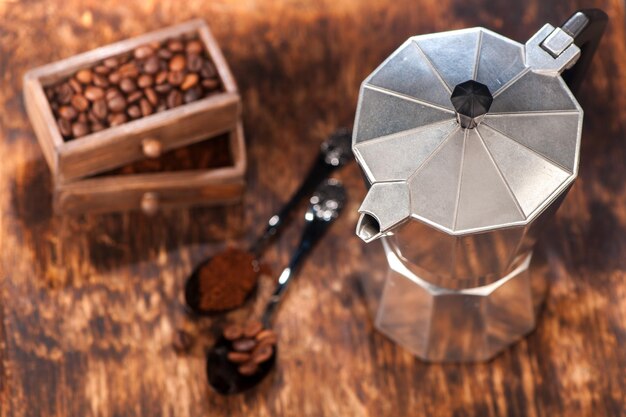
384,208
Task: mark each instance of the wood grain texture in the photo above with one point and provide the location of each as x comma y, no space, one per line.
89,304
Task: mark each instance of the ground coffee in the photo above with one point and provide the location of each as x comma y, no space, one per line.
226,280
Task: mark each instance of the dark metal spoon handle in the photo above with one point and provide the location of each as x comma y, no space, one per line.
334,153
318,172
326,204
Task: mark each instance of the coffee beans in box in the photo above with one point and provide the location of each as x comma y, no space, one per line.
150,79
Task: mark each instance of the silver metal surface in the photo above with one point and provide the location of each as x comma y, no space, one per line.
499,62
458,206
470,260
385,113
542,61
477,180
439,324
557,42
384,196
450,52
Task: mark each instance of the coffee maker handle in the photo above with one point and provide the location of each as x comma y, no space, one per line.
586,27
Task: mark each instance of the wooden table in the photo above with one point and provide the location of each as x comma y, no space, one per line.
89,304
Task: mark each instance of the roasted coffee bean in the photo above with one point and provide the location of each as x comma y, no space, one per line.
143,52
175,77
117,119
65,127
232,332
208,70
163,88
116,103
80,129
267,336
94,93
125,58
193,94
161,107
91,116
76,86
151,65
100,81
100,109
127,85
244,345
151,95
165,54
210,84
262,352
112,92
194,47
115,77
134,112
102,70
84,76
238,357
134,97
175,45
145,106
189,81
145,80
97,126
248,369
161,77
174,99
68,112
111,62
65,93
79,102
82,117
194,63
177,63
129,70
252,328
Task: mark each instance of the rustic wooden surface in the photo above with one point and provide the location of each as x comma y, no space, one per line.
89,304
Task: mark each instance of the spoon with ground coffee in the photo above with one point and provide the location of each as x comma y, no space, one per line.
244,355
224,281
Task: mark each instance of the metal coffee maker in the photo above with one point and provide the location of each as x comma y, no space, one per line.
469,142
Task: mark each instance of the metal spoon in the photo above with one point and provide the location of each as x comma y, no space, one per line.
325,206
334,153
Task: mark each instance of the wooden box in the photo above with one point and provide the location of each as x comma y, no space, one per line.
88,171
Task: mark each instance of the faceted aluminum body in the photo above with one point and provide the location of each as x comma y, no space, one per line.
470,260
423,166
458,198
456,326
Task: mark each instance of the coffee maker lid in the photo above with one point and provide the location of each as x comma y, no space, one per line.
482,130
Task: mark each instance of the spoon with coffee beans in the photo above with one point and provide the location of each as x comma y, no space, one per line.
244,355
224,281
